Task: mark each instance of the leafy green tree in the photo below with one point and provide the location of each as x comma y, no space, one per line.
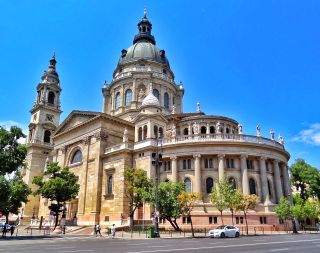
187,201
246,203
233,198
59,185
12,153
138,189
219,196
169,207
284,211
306,179
13,192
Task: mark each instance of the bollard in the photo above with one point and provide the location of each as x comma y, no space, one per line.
139,232
17,232
31,231
263,231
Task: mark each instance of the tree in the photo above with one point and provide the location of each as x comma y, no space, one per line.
12,153
138,189
246,203
219,196
13,192
306,179
187,202
169,207
233,198
284,211
59,185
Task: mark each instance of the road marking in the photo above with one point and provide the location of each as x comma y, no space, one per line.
137,244
221,246
160,246
80,250
279,249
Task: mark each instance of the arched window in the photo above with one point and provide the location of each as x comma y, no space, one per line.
47,136
110,185
185,131
51,98
77,157
166,100
187,182
155,131
232,182
140,134
227,130
203,130
252,186
160,132
212,130
117,101
269,189
145,132
156,93
209,184
128,97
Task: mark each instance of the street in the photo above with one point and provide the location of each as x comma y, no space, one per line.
72,244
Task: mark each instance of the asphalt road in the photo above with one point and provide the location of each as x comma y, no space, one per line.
277,243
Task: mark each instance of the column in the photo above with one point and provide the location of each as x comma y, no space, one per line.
83,176
277,180
221,166
197,172
174,169
208,129
134,92
244,174
189,129
286,182
263,180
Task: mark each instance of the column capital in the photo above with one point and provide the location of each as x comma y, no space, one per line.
221,156
276,161
263,158
243,156
196,156
86,141
173,157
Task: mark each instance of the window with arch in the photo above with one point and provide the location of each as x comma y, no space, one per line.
233,183
156,93
186,131
155,131
145,132
117,101
252,186
51,97
209,184
187,182
110,185
166,100
128,97
47,136
77,157
160,132
140,134
227,130
269,189
203,130
212,130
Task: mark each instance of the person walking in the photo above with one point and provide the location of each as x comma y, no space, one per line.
113,231
4,231
95,230
12,229
98,230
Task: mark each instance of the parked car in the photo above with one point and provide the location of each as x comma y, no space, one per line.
225,231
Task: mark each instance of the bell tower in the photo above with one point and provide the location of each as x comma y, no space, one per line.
45,117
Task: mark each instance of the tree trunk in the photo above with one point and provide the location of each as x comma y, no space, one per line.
245,217
294,227
56,221
192,232
221,217
232,215
173,224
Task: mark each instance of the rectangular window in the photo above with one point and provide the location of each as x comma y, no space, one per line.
206,164
237,220
281,221
263,220
210,163
184,164
250,164
241,220
230,163
189,164
186,220
213,220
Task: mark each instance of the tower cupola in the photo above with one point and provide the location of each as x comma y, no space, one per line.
144,30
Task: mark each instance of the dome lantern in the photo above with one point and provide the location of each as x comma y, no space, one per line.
144,30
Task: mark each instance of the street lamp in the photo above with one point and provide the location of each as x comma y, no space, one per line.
157,162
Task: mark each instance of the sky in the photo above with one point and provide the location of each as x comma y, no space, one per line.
257,62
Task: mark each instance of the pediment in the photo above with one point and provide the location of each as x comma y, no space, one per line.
141,117
74,119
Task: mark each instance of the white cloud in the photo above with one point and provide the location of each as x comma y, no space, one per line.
9,123
310,135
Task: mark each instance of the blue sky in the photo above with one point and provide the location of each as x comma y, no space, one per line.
255,61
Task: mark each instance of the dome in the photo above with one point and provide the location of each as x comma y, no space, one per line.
144,50
150,100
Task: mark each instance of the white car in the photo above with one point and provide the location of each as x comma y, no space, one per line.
225,231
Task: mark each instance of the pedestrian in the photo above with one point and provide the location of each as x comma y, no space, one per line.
12,229
98,230
113,231
64,228
94,230
4,231
317,226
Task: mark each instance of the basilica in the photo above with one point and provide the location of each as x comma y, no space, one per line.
142,111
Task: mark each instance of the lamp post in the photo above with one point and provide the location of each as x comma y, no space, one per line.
157,162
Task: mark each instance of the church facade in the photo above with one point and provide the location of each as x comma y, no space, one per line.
143,111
